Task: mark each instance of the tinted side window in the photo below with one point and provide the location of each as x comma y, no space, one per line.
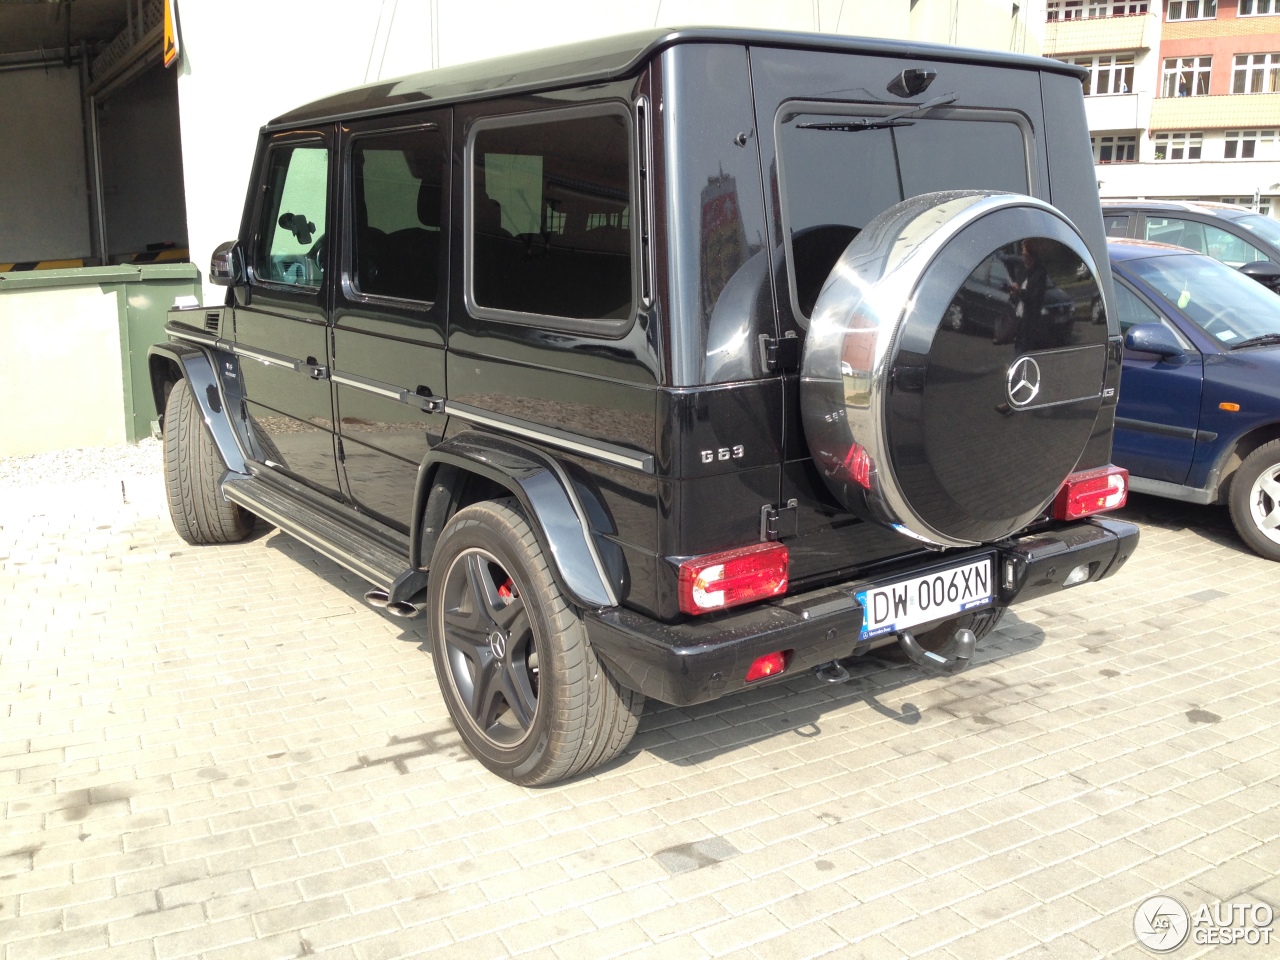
1180,233
1229,248
1116,226
295,212
1131,310
398,188
839,171
551,217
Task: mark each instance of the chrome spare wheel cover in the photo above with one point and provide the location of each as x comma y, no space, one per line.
892,324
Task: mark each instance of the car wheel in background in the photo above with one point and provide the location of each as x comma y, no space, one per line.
1255,500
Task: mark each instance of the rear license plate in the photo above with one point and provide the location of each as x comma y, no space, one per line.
894,607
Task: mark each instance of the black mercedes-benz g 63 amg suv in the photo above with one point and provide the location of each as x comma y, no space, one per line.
665,365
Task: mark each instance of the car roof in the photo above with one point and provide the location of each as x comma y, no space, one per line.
610,58
1120,249
1229,211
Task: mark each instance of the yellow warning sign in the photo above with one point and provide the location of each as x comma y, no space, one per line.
172,46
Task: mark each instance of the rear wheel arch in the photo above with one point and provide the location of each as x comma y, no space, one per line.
472,468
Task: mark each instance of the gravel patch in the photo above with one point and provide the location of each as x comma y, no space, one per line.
143,459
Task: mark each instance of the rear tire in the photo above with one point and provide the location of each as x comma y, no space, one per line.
526,691
1255,500
193,471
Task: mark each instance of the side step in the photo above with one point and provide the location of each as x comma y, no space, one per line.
326,533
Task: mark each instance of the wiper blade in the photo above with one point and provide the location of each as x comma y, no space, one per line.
899,119
1264,340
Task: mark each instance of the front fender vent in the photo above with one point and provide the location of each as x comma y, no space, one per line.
211,320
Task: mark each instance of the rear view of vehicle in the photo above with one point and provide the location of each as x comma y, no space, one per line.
903,326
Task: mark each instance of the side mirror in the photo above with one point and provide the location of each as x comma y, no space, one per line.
1155,338
1265,272
226,269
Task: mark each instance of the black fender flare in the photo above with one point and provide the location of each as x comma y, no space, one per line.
589,568
198,367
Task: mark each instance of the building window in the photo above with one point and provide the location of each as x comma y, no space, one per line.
1107,73
1178,146
1186,77
1114,148
1078,9
1257,8
1264,203
1243,144
1256,73
1192,10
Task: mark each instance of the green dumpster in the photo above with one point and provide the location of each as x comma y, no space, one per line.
74,348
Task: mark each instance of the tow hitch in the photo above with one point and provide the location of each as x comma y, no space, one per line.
964,642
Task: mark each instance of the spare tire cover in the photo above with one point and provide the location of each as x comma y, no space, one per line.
954,363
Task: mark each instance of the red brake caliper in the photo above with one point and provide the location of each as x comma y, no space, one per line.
508,590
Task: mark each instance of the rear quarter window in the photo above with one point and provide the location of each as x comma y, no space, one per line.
839,170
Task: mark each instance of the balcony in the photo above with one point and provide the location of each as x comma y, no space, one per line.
1232,111
1100,34
1117,111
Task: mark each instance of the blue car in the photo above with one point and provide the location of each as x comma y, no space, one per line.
1199,412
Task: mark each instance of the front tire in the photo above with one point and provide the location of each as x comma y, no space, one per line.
193,471
1255,500
524,687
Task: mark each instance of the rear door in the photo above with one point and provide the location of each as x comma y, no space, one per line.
281,326
388,365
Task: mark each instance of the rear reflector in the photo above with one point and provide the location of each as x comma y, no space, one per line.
771,664
722,580
1092,491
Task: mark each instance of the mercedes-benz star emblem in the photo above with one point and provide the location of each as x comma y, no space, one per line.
498,644
1023,381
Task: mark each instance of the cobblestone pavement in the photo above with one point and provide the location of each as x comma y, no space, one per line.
223,752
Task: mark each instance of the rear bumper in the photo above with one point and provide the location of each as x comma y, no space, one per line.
704,659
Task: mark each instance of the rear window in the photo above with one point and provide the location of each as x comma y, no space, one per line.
840,168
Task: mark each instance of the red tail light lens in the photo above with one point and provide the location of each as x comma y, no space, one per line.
1092,491
771,664
722,580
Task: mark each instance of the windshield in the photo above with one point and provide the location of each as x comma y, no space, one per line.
1264,227
1226,304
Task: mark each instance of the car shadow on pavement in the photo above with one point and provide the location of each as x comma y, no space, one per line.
806,707
1213,523
798,707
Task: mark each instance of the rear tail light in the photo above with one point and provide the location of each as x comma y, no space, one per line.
770,665
1092,491
722,580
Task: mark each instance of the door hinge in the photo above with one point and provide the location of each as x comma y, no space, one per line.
780,353
778,522
342,453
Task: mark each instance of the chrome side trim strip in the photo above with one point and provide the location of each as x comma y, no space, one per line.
265,356
597,450
369,386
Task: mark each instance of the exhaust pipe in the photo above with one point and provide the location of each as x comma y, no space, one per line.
377,598
402,609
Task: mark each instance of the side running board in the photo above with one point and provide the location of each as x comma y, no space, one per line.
326,533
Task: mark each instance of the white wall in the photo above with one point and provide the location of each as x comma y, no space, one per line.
44,206
246,61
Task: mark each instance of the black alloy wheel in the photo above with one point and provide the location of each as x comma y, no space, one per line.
526,691
490,648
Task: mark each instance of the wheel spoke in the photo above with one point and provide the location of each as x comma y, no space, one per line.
519,694
1270,521
1271,487
488,687
465,626
483,591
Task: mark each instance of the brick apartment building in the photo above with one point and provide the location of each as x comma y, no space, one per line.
1183,97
